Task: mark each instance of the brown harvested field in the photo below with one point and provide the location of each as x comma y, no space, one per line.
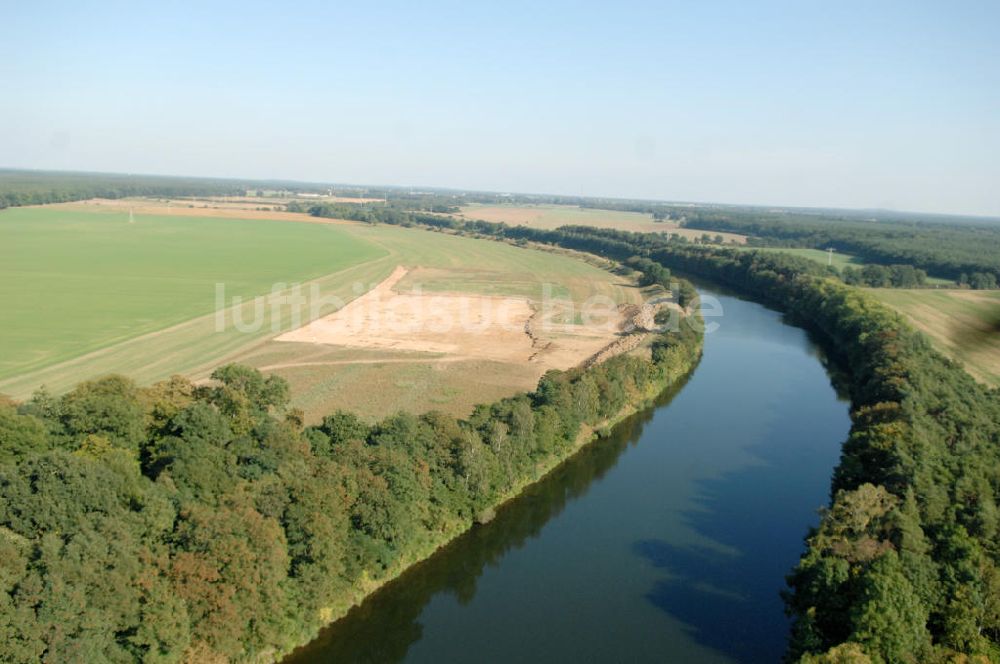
465,347
377,382
253,201
554,216
451,372
179,208
961,323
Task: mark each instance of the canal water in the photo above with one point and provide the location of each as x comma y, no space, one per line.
667,542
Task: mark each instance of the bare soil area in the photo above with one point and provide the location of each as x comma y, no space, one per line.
463,326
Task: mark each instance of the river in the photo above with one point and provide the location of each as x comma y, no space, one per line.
667,542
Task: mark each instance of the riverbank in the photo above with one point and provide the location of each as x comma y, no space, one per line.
913,519
668,539
674,362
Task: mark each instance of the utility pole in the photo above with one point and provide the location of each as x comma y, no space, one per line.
829,256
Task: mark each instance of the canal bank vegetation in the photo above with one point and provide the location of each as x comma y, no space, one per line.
904,564
207,524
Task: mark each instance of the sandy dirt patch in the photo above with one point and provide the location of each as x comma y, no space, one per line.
462,326
455,324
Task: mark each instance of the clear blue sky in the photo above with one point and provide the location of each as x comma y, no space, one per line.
855,104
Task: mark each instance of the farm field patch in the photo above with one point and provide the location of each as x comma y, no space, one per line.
961,323
202,208
76,282
145,293
434,362
554,216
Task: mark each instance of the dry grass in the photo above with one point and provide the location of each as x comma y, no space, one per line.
183,208
451,371
554,216
960,323
387,332
377,383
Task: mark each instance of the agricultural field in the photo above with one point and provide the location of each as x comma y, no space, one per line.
839,260
964,324
421,354
216,207
141,299
554,216
104,280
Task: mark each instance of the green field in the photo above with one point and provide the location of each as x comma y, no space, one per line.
839,261
74,282
961,323
87,294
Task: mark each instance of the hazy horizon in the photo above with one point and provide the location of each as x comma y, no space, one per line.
850,106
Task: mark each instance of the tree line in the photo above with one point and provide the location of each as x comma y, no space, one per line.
207,523
904,564
20,187
884,276
942,249
37,188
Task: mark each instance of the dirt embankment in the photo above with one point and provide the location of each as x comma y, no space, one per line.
639,323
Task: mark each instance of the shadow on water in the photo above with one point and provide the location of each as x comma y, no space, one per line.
383,627
756,520
727,593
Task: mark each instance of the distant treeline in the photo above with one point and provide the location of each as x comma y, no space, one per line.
966,252
397,212
204,524
37,188
583,238
20,187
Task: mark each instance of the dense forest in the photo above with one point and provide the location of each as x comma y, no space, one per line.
207,524
966,252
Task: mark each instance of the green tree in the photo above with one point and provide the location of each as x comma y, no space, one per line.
107,406
890,621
